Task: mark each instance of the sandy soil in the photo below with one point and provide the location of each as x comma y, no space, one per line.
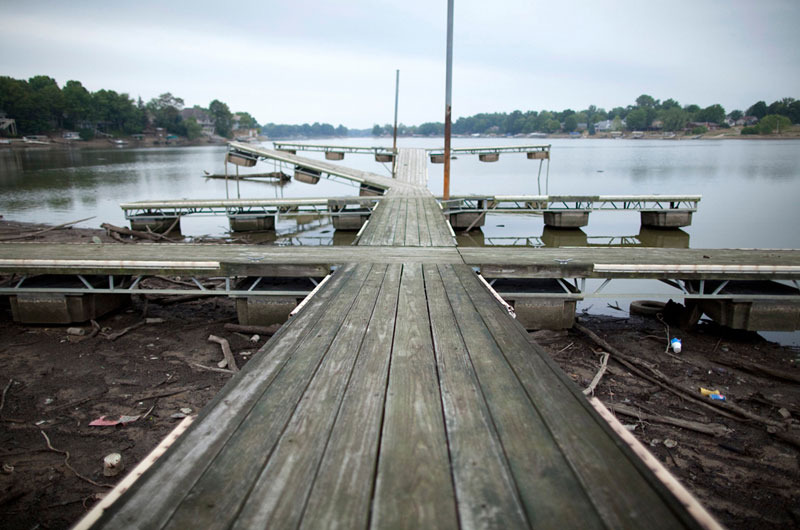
56,383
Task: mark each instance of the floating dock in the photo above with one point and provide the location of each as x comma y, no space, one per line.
403,394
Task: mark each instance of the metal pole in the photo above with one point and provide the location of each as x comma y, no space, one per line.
448,100
394,139
226,177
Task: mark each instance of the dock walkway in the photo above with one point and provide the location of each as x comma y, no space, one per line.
402,395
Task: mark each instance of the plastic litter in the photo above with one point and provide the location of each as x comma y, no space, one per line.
113,465
102,421
675,344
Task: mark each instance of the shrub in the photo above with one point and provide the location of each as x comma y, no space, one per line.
700,129
750,130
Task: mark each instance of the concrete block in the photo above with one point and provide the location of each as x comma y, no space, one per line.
309,176
538,312
545,313
334,155
366,190
349,222
380,157
54,308
240,160
666,218
566,218
156,224
437,159
463,220
264,310
251,223
538,155
489,157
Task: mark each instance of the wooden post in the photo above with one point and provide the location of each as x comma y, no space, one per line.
448,100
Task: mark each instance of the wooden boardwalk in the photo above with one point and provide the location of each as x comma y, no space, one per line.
402,395
529,262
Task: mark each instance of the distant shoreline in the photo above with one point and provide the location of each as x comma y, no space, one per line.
18,143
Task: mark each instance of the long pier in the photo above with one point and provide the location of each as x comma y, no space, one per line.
403,393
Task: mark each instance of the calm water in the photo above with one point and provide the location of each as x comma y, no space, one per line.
750,188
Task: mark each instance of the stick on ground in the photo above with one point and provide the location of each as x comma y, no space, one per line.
230,361
67,464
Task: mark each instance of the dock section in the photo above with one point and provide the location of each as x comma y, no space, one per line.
401,396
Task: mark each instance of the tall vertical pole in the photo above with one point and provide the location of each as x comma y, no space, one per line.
448,100
394,139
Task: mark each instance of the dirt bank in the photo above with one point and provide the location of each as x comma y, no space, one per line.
56,383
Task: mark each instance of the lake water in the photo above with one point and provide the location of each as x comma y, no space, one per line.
750,188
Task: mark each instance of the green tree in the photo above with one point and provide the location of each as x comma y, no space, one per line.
77,104
736,115
246,121
165,111
646,102
377,130
670,104
759,110
570,123
674,119
637,120
552,126
193,129
223,119
774,124
713,113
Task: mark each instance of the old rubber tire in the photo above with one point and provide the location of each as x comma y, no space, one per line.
648,308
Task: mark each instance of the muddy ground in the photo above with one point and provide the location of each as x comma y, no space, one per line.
55,383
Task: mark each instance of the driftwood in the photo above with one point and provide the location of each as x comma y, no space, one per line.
169,300
168,393
759,369
212,368
128,232
724,408
48,229
589,391
261,330
3,398
152,236
657,377
115,236
68,466
115,336
228,360
714,429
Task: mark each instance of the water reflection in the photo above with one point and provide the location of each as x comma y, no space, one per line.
576,237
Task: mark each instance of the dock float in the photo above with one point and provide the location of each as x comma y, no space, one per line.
403,394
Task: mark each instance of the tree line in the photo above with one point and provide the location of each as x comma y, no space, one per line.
39,106
647,113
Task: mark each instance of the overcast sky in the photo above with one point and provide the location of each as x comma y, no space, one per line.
304,61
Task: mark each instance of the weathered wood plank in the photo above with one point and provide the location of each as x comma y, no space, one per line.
585,440
342,491
413,487
278,497
153,498
486,491
400,223
412,225
551,492
247,451
424,223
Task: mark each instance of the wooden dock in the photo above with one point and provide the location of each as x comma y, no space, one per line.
402,395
